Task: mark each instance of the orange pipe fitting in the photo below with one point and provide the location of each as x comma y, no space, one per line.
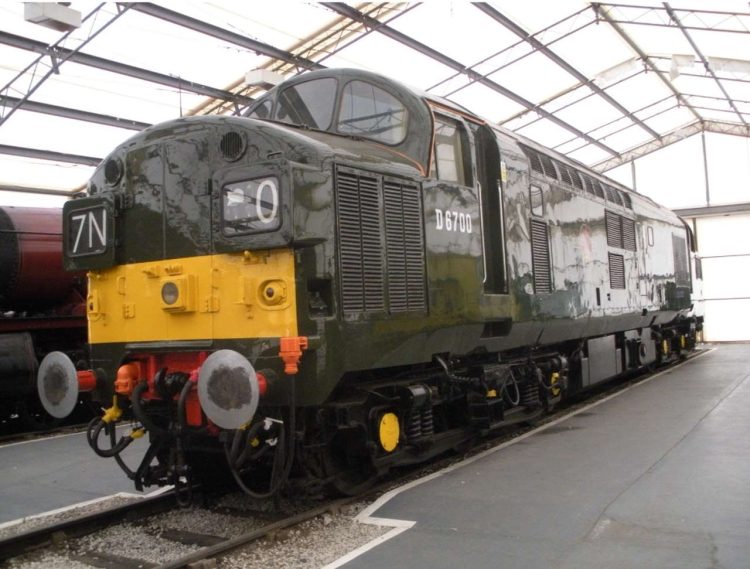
290,352
127,376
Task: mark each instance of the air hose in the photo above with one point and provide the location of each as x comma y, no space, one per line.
283,458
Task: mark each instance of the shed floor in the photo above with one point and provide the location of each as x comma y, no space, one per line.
55,472
656,477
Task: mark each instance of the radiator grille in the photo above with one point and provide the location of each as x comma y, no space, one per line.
404,247
360,241
540,257
616,271
576,179
549,166
614,229
620,231
534,160
628,234
564,173
381,243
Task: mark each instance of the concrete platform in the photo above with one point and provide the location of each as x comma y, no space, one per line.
656,477
47,474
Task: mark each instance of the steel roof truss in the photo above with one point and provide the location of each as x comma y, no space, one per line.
121,68
540,47
48,155
223,34
58,56
395,35
604,14
703,59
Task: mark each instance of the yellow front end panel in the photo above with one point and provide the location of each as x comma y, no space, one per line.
243,295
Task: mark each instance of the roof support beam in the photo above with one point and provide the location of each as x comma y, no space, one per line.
676,135
49,155
121,68
43,191
31,78
704,61
713,210
395,35
540,47
75,114
223,34
604,14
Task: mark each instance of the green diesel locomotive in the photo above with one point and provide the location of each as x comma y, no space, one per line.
354,275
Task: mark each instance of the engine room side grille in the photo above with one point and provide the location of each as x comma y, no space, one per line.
404,246
540,257
381,243
564,173
616,271
534,160
614,229
549,166
628,234
360,243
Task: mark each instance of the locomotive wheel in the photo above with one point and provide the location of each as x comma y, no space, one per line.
348,467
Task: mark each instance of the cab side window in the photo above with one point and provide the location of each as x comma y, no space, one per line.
308,104
262,110
371,112
451,162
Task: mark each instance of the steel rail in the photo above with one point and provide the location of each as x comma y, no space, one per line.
254,535
21,543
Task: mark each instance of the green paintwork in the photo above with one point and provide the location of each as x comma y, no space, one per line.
167,205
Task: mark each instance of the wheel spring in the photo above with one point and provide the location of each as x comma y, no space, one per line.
414,426
529,394
421,424
428,425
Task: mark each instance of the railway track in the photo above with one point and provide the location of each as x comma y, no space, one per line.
172,538
178,537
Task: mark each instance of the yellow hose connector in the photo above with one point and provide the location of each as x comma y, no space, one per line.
113,414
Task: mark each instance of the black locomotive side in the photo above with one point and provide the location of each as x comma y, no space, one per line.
41,310
356,276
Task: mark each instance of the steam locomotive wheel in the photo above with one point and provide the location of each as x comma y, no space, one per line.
348,465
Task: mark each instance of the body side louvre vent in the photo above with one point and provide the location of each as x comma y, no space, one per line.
575,179
360,242
549,166
616,271
533,156
628,234
564,173
404,247
588,185
614,229
540,257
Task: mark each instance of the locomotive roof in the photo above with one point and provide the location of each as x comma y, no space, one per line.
605,106
406,92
